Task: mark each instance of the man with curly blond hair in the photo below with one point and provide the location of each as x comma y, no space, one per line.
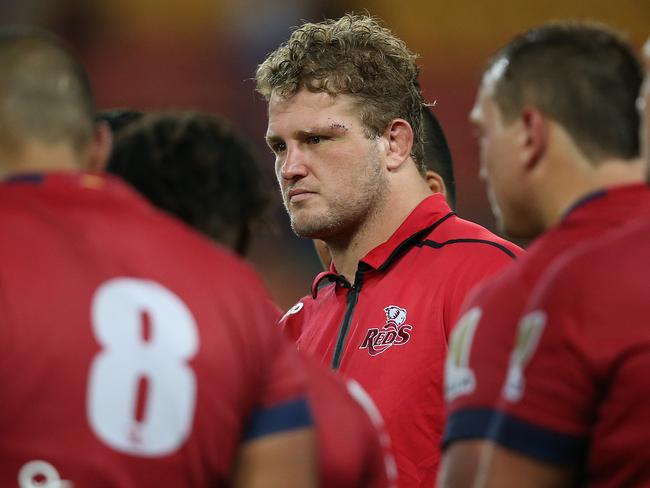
345,125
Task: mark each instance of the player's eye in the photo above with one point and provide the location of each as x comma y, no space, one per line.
278,147
313,139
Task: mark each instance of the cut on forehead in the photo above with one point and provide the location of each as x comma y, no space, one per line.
309,110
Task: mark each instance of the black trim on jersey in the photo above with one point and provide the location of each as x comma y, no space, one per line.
438,245
538,442
332,278
471,423
352,299
401,249
291,415
25,178
414,240
582,200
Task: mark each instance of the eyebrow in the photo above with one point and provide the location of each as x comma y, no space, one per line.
334,127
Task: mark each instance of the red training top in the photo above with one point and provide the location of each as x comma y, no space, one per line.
484,337
388,330
354,449
577,388
132,351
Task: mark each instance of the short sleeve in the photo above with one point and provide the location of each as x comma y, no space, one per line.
478,355
548,396
280,394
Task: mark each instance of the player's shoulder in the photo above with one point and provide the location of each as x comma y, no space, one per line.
621,252
327,388
298,309
337,403
292,320
469,238
498,290
199,252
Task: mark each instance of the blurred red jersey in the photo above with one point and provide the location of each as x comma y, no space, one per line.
576,392
132,352
485,335
354,448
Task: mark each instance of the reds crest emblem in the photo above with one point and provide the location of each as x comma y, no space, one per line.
394,332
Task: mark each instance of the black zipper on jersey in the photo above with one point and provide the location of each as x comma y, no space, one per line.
352,299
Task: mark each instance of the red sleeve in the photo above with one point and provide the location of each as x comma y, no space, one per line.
353,446
280,398
548,396
479,351
381,468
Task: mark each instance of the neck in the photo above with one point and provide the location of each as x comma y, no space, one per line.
38,157
400,201
588,179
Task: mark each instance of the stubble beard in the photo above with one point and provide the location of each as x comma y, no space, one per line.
345,217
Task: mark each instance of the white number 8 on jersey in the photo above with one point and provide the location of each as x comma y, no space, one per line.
128,359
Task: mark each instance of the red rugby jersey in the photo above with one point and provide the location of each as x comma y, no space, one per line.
389,329
576,392
353,447
485,334
132,351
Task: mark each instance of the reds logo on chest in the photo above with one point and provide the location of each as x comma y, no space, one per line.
395,332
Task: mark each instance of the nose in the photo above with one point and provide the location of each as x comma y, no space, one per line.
482,172
294,164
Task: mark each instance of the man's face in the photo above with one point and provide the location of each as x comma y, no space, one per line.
330,173
644,105
501,164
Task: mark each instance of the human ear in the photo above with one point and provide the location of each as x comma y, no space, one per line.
101,147
435,182
535,136
399,135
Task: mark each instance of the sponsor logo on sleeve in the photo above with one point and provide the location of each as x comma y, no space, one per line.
459,376
293,310
530,331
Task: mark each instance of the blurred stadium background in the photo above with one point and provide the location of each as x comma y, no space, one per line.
152,54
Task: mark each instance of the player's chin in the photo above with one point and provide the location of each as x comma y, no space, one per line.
306,227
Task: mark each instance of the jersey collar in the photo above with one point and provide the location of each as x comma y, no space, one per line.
607,197
429,213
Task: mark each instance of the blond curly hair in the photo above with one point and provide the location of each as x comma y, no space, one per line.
353,55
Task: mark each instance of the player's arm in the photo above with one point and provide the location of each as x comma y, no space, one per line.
503,468
278,447
476,363
460,464
285,459
540,431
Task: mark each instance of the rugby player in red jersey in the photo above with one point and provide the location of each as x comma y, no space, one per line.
134,352
574,405
196,167
553,164
345,125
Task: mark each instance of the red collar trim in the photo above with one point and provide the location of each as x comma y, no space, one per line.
429,212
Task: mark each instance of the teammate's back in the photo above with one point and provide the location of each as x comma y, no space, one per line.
133,352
